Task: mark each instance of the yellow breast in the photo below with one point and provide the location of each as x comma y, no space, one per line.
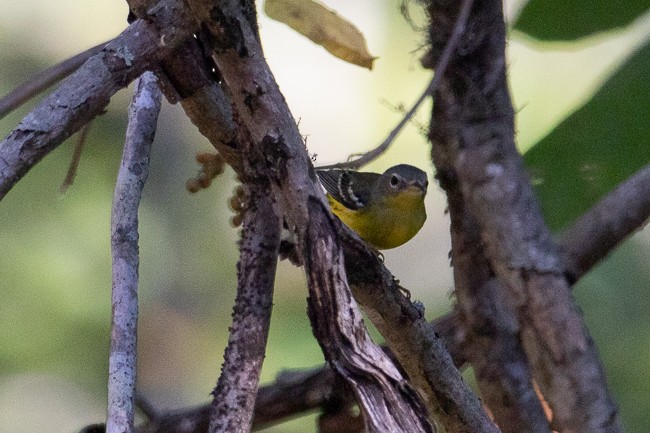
385,225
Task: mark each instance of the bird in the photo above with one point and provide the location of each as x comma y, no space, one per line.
385,210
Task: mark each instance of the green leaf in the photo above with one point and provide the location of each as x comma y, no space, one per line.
572,19
597,147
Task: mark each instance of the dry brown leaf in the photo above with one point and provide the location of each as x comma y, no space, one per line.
324,27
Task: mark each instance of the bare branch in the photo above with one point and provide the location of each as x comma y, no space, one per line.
234,396
274,148
45,79
486,325
416,344
293,393
85,94
443,62
143,116
491,332
519,247
203,99
76,158
387,401
598,231
253,93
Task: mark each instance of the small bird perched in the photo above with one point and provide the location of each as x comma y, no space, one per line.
385,210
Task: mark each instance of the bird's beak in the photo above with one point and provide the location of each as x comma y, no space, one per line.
418,187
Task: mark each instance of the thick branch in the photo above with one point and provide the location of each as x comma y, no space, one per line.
234,396
203,99
488,325
519,247
143,116
86,93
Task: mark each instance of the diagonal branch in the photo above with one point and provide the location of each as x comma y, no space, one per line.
45,79
143,115
598,231
387,401
86,93
417,346
272,145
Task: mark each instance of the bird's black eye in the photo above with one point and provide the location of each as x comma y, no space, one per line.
394,180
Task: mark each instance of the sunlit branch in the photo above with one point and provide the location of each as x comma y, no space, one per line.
143,116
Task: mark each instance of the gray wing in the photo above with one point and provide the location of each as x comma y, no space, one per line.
351,189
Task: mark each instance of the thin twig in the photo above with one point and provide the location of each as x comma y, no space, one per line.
294,393
146,407
143,116
76,157
445,57
45,79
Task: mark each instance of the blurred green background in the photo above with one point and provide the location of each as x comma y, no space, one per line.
580,83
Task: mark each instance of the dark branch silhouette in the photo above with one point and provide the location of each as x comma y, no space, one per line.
473,121
450,47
